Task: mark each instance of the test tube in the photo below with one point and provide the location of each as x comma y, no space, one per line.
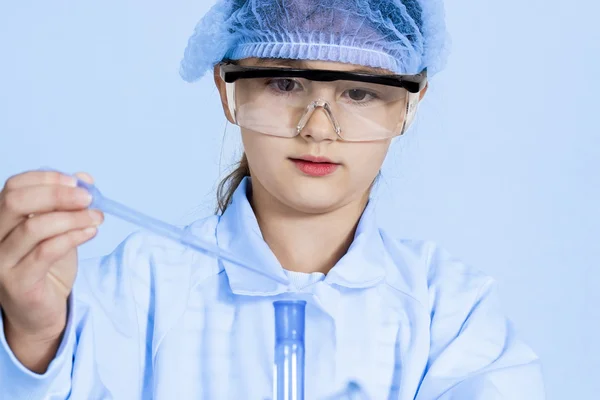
288,381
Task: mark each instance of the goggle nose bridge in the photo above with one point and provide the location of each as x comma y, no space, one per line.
310,109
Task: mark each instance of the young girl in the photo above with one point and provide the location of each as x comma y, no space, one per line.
319,89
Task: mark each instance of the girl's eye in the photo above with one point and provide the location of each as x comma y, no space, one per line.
357,94
360,96
284,85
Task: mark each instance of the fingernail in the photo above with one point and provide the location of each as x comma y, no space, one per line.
83,197
68,180
96,217
89,231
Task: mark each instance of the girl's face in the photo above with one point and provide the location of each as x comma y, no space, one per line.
276,163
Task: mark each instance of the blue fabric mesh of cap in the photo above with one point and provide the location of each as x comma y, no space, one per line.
402,36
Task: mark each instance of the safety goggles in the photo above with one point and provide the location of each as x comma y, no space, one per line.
360,106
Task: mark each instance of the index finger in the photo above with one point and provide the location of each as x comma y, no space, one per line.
36,178
84,176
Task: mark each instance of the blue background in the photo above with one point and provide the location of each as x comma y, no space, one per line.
502,166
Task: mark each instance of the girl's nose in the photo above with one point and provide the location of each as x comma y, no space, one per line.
318,123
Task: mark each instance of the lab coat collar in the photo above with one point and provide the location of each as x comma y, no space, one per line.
238,232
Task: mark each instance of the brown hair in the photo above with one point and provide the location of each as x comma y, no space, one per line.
230,183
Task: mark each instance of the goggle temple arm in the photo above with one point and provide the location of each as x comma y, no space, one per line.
412,106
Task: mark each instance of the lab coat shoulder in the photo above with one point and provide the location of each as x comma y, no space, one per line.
130,273
123,304
429,273
475,352
128,285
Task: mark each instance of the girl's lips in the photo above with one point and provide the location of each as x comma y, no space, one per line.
314,159
315,168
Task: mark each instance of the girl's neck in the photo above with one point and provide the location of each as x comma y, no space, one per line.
306,242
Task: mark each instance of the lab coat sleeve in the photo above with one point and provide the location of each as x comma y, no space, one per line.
98,357
475,352
17,382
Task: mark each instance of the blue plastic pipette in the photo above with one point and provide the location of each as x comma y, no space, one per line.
164,229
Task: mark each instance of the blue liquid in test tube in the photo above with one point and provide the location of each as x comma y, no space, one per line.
288,383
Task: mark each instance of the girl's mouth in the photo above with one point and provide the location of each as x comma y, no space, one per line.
315,166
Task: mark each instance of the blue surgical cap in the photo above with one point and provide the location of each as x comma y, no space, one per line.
403,36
